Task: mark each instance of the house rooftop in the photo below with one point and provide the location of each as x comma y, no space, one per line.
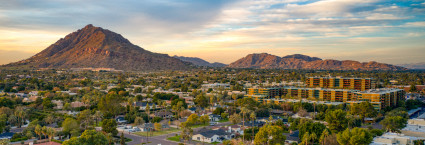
210,133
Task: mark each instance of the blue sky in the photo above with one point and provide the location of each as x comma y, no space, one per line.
224,31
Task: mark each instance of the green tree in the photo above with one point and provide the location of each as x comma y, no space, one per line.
51,133
187,132
110,104
70,125
336,120
122,141
89,137
38,130
47,103
364,109
110,126
158,126
313,129
204,119
67,106
355,136
218,111
201,101
394,123
49,119
85,118
3,120
235,118
224,115
412,88
193,119
270,134
139,121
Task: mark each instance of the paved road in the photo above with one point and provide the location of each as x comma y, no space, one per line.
162,139
417,114
154,140
16,130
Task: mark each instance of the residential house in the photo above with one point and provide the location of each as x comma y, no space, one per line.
30,99
265,119
78,104
414,127
147,127
210,136
395,139
164,114
120,119
195,109
142,105
59,104
292,137
255,123
214,117
235,129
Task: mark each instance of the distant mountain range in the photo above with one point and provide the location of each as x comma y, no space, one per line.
420,65
99,48
299,61
96,47
199,62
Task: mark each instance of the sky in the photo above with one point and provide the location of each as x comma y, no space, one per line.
388,31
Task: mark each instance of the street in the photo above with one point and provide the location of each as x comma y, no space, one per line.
162,139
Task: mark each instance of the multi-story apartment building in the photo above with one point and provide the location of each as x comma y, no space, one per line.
333,95
379,98
264,93
361,84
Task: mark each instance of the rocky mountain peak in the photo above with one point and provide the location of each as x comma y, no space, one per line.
97,47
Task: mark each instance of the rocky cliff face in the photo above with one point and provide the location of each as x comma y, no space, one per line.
298,61
96,47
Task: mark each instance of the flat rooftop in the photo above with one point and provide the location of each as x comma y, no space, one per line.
341,78
380,91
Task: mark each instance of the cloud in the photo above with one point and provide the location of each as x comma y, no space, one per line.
220,30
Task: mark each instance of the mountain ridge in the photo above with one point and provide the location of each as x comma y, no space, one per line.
418,65
299,61
199,62
97,47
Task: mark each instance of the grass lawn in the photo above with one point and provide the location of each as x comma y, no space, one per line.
156,133
224,120
199,125
174,138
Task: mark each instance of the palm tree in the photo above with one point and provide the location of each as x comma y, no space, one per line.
37,130
97,116
244,111
44,130
50,119
306,138
253,116
324,135
20,113
212,98
51,133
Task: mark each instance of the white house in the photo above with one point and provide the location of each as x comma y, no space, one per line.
236,129
394,139
211,136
